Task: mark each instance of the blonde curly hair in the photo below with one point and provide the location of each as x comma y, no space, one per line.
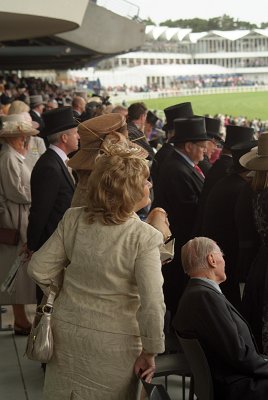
116,184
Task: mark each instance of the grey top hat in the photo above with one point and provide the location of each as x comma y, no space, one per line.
36,100
189,130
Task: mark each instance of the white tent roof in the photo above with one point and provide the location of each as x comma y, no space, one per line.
171,34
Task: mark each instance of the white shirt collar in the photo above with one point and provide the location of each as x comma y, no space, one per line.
60,152
185,157
211,282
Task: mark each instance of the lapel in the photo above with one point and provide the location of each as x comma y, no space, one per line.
199,282
190,168
63,167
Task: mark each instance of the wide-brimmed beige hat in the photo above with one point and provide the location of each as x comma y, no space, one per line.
257,158
15,125
93,132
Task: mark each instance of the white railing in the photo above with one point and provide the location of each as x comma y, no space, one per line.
122,7
128,96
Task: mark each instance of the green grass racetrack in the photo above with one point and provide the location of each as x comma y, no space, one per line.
250,105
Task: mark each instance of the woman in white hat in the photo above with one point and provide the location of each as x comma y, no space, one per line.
255,299
15,200
36,146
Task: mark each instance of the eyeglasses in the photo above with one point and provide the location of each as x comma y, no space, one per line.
201,145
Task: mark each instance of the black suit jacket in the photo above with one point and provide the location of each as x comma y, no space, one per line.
158,160
177,191
238,371
37,119
219,224
52,190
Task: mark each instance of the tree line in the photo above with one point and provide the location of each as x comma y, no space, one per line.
222,23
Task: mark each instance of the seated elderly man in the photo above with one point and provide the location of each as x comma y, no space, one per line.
238,370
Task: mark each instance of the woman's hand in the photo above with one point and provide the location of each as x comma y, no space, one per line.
158,219
26,252
144,366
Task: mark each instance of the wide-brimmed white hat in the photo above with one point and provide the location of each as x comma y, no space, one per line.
257,158
15,125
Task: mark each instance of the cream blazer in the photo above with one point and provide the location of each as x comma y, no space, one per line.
113,280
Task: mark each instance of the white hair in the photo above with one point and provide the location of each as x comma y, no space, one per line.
194,254
55,137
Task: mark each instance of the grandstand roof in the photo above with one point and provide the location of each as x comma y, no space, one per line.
180,34
63,34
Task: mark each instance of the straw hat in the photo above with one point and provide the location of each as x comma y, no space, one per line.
15,125
92,133
257,158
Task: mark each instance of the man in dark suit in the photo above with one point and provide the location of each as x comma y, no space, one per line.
219,219
177,191
238,370
234,135
52,186
37,107
182,110
79,107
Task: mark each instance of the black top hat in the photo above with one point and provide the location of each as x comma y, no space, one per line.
236,135
238,151
151,118
189,130
213,128
58,120
182,110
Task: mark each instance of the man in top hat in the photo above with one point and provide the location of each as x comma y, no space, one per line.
178,189
37,107
52,186
213,132
219,218
234,135
182,110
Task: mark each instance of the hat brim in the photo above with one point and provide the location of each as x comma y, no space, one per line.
254,162
215,136
33,132
83,160
58,129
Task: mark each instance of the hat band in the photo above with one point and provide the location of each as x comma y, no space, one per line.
89,130
141,137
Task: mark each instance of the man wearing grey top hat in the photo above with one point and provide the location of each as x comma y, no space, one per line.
177,190
37,107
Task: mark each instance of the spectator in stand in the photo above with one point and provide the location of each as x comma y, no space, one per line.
108,331
51,104
15,200
137,113
37,107
79,107
36,145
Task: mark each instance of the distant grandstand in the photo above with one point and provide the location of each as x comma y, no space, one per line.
239,52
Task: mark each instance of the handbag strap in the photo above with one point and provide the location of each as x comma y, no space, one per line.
19,219
48,307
